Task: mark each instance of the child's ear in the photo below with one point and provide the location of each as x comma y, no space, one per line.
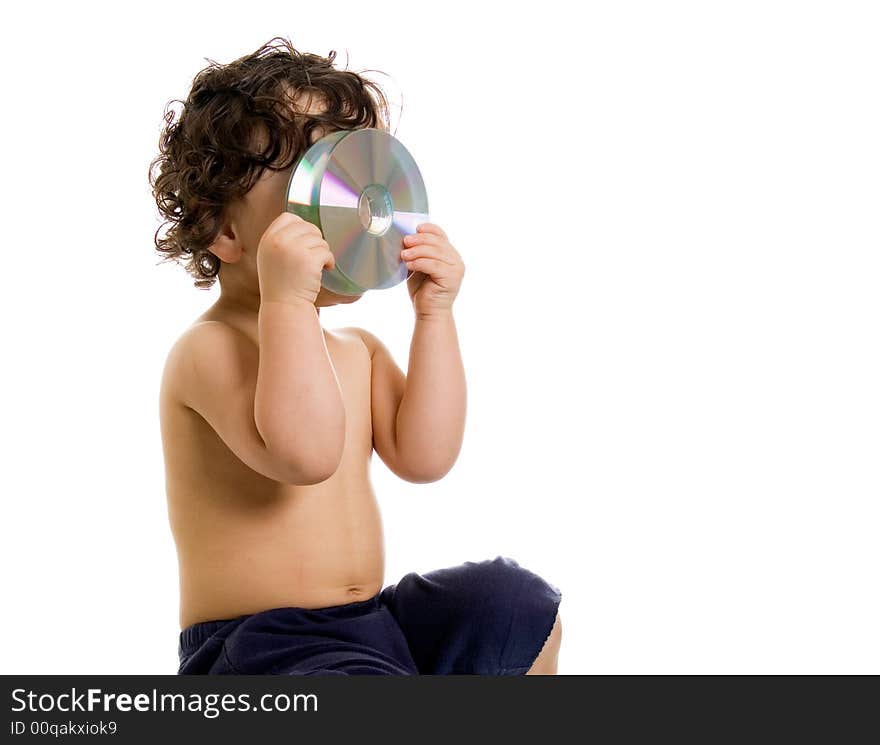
227,249
226,246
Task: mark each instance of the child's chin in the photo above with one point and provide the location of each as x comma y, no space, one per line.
326,297
345,298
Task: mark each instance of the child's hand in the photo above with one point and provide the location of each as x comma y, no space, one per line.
437,270
291,256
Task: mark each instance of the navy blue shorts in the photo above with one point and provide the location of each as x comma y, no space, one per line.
490,617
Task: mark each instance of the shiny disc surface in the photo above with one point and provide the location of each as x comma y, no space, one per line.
363,189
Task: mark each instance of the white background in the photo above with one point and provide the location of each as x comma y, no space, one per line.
669,320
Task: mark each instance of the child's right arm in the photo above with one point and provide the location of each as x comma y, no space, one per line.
279,408
298,406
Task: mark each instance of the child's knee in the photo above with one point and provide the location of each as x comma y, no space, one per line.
555,639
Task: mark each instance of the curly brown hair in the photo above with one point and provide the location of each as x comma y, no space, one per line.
238,120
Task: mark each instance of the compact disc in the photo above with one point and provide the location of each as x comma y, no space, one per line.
363,189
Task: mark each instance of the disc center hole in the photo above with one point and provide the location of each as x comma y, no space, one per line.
375,209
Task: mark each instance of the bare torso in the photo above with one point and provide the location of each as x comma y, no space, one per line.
246,543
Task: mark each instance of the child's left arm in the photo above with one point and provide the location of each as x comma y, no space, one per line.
418,418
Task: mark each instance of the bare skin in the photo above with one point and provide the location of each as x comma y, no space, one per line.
547,661
251,533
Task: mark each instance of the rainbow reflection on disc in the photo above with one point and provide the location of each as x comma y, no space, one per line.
363,189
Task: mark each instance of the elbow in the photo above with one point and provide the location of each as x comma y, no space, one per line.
300,477
307,471
423,460
424,477
426,472
303,464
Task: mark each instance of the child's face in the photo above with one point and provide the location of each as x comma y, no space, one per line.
251,215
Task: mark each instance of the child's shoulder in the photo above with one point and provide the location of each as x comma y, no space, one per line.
369,340
208,349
